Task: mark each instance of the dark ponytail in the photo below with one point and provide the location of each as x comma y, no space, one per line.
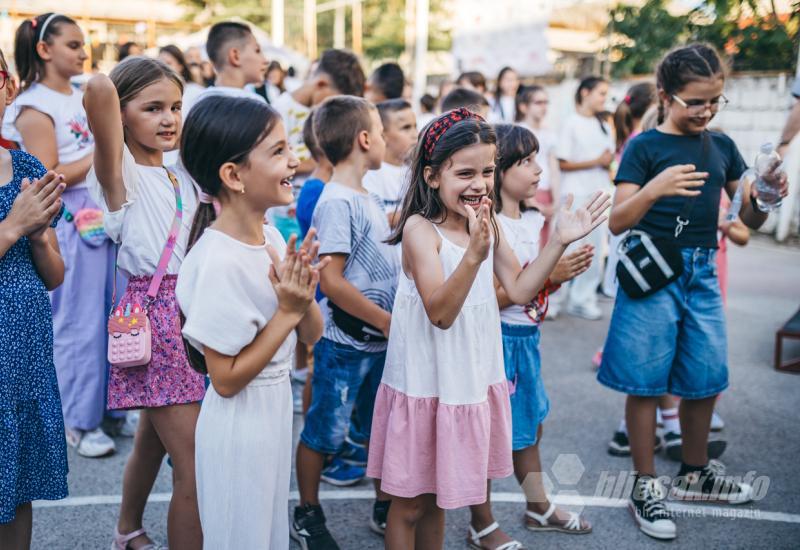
219,130
31,67
684,65
636,103
590,83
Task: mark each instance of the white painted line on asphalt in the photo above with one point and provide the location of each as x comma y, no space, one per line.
563,500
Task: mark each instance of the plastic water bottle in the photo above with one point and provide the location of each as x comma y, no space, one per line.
768,163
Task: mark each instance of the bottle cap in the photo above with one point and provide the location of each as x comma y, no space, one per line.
767,148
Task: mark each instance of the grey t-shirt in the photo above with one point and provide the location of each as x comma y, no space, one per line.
355,224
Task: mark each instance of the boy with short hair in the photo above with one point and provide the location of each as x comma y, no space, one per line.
469,99
338,72
386,82
360,284
237,59
400,135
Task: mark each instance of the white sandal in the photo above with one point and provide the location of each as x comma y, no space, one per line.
120,542
475,539
572,526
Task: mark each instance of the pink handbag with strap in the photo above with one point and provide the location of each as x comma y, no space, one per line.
129,329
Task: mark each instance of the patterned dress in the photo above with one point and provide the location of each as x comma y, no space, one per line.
33,454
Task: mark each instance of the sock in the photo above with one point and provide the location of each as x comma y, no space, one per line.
623,427
671,422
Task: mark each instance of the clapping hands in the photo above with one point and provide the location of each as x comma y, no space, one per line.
573,225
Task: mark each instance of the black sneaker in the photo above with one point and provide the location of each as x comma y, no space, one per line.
621,446
380,511
646,503
674,446
308,528
710,484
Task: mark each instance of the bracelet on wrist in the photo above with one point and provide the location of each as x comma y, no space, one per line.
755,206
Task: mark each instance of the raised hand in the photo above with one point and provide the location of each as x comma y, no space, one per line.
572,265
680,180
479,230
296,288
573,225
37,204
309,247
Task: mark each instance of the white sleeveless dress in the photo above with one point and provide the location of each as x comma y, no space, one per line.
442,420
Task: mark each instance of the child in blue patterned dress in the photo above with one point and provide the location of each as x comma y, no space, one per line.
33,454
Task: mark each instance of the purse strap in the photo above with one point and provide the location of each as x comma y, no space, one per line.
682,220
166,254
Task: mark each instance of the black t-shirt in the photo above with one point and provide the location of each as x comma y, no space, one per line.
651,152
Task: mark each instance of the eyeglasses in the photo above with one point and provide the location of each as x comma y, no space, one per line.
697,107
4,78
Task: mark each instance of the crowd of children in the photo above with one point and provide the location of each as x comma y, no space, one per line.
414,266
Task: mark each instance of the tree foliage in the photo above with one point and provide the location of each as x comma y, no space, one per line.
752,37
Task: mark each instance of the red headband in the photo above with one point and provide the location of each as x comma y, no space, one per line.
444,123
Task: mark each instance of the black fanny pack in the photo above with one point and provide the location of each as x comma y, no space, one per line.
648,264
353,326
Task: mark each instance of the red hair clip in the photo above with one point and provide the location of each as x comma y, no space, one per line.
627,99
34,22
440,126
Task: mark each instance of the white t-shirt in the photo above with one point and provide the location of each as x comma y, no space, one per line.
389,183
73,138
225,293
503,110
522,236
581,139
192,92
227,91
142,225
294,117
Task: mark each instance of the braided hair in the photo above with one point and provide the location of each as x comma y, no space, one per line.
684,65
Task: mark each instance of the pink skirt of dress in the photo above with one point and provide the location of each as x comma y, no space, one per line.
420,446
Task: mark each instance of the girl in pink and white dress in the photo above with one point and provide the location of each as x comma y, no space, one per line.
442,423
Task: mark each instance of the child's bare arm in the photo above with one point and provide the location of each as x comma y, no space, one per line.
310,327
346,296
102,110
47,258
442,298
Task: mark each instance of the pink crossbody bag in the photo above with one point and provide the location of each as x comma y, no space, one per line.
129,329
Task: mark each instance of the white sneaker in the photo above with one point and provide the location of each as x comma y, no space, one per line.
716,422
585,311
130,425
90,444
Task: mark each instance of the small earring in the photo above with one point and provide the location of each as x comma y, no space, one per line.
241,191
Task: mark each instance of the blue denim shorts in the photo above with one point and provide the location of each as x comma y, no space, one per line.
673,341
345,380
529,402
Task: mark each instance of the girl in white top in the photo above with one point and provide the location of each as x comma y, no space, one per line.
585,152
442,423
247,297
516,180
49,121
504,101
140,199
532,104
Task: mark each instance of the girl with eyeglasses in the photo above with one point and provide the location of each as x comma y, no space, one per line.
674,340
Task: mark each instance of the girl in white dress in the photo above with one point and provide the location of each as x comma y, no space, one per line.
244,293
442,423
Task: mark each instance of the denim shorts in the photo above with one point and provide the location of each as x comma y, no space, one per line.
345,381
529,402
673,341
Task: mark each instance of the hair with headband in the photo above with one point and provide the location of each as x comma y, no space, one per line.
42,28
442,138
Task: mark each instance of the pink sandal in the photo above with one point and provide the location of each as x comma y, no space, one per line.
120,542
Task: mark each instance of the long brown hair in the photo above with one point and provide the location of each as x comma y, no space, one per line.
636,103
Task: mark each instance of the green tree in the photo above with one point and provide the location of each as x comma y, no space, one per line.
642,34
751,36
